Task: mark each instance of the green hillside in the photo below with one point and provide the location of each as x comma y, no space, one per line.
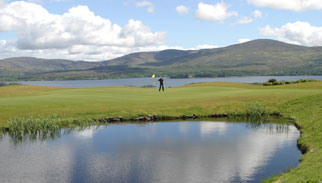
30,64
258,57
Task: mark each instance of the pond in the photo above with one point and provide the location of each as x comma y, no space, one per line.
181,152
154,81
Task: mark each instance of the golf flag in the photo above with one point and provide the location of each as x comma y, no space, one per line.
153,76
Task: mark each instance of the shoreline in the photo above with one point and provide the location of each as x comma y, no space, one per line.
224,117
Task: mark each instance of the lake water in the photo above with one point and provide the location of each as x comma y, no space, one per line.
180,152
154,81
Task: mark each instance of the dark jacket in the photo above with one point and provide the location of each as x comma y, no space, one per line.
161,80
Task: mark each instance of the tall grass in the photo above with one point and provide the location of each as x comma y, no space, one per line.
256,111
43,127
1,133
253,112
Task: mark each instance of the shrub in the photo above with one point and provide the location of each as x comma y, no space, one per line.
9,84
274,82
271,80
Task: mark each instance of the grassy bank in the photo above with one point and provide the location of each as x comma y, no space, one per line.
307,112
303,101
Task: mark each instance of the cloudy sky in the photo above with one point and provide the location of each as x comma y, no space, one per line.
99,30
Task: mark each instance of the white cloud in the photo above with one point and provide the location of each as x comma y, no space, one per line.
52,35
86,52
301,33
147,4
243,40
204,46
182,9
2,3
39,29
143,3
78,34
245,20
3,42
257,14
218,12
292,5
78,52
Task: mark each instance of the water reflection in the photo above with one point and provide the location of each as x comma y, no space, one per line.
87,133
211,128
16,138
155,152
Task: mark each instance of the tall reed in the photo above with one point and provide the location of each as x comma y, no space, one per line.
252,112
42,127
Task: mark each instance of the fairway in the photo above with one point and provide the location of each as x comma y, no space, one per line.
302,101
202,99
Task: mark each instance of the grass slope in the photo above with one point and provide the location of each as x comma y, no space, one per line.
302,101
30,64
258,57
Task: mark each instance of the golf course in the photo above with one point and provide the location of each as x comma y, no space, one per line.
300,101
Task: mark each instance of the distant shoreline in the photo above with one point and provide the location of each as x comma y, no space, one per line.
169,82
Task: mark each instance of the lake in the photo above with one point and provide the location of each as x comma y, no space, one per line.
181,152
154,81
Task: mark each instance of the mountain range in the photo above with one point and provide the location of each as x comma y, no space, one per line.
258,57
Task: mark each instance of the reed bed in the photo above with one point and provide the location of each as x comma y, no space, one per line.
43,127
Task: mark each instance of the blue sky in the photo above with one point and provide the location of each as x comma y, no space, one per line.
99,30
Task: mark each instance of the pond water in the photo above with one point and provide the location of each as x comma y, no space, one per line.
154,81
180,152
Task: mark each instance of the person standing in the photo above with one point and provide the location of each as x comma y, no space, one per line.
161,84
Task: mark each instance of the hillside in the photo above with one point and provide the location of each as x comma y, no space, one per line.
258,57
135,59
30,64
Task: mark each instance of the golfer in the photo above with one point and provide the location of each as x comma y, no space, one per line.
161,84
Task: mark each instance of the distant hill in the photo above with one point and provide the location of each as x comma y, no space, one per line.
258,57
135,59
30,64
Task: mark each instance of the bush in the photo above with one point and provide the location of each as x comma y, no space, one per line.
9,84
272,80
3,84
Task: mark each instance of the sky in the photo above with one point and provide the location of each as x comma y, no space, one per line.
95,30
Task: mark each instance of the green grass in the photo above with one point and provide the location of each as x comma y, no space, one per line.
302,101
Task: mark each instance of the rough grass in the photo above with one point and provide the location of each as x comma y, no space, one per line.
308,114
303,101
